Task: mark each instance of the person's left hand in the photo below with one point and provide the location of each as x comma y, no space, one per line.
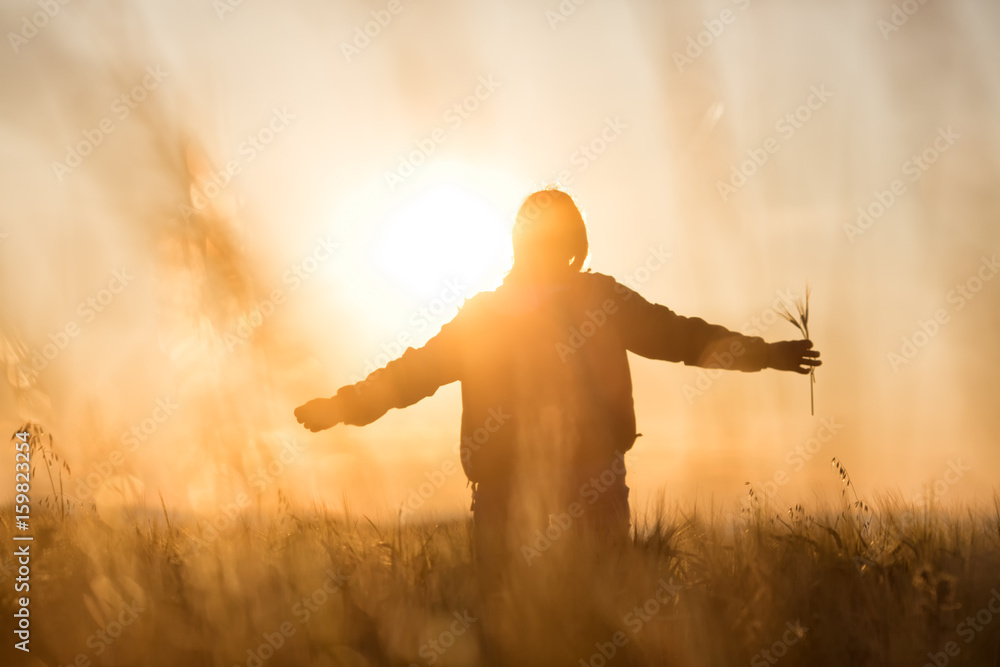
319,414
793,355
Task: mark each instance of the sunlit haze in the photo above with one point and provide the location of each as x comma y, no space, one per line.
213,215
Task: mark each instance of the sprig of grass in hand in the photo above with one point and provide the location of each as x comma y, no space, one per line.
802,324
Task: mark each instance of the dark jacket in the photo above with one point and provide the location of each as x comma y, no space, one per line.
544,372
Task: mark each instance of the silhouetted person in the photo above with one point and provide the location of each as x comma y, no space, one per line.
546,390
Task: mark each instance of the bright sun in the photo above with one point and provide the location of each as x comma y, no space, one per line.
447,232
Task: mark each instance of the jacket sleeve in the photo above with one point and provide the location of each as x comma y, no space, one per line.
656,332
415,375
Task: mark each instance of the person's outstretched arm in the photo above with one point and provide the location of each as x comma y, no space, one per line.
656,332
402,382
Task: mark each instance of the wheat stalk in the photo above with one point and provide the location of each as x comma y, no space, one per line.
802,324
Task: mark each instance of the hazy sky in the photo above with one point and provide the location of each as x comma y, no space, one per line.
214,211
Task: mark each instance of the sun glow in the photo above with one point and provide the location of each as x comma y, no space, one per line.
446,232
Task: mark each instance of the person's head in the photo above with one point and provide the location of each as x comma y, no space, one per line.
550,237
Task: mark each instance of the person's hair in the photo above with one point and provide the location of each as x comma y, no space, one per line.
549,234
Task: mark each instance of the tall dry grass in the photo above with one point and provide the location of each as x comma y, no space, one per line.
877,583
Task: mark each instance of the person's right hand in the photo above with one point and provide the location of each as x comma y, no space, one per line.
793,355
319,414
